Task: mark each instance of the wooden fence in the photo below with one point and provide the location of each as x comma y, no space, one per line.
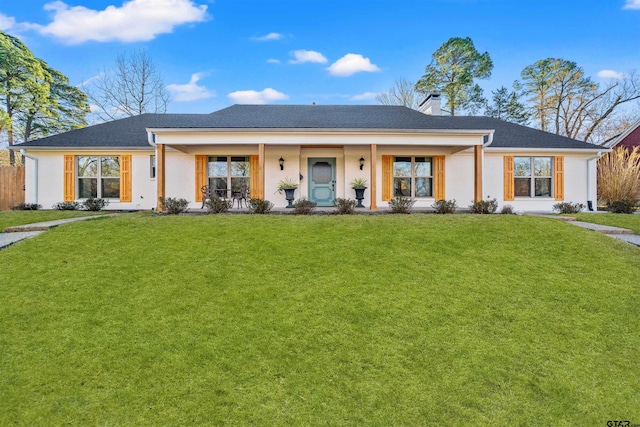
11,186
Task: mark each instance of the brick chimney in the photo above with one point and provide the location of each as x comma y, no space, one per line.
431,105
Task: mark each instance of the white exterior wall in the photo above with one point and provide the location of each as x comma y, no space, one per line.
577,179
580,174
50,179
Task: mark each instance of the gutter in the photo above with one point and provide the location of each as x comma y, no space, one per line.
364,131
35,161
489,139
151,138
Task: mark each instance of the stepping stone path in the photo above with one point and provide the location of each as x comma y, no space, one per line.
15,234
623,234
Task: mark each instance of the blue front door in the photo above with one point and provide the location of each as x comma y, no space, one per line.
322,181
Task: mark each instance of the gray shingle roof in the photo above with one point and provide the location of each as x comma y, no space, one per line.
131,132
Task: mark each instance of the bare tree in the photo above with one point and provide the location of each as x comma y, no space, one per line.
132,87
567,102
402,93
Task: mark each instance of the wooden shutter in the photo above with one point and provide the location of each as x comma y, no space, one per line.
558,177
256,192
201,174
125,178
387,178
509,190
69,178
438,177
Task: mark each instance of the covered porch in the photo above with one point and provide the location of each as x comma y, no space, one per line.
427,168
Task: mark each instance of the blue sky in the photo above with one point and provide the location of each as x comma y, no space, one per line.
213,54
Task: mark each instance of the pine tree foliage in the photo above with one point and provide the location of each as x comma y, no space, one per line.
452,72
36,99
507,106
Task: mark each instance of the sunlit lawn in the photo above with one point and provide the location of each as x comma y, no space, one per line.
282,320
12,218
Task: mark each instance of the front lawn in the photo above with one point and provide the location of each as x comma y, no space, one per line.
13,218
631,222
282,320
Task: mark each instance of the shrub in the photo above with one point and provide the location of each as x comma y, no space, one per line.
174,206
26,207
260,206
445,206
345,206
401,205
507,210
304,207
216,205
482,207
568,207
66,206
619,175
92,204
622,206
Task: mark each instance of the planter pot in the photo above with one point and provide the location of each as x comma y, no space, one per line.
360,196
288,194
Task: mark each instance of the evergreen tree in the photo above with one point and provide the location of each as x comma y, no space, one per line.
452,72
35,98
507,106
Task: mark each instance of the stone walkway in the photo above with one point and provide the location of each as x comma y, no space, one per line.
623,234
14,234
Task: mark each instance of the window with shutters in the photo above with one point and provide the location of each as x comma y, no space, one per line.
228,174
533,176
98,177
413,176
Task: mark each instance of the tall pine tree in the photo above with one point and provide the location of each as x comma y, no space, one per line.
507,106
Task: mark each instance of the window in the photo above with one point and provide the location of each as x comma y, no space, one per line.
532,176
412,176
99,176
228,174
153,165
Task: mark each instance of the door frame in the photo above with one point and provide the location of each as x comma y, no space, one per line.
333,161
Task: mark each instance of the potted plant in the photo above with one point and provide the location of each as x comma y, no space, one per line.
288,185
359,184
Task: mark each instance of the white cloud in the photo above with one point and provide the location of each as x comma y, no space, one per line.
135,20
6,22
610,74
273,61
364,96
190,91
269,37
254,97
302,56
350,64
632,4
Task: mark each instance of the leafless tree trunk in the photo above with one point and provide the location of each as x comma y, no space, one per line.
132,87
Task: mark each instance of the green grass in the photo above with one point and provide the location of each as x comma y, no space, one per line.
13,218
281,320
631,222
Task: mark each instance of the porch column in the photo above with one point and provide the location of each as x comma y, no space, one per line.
477,176
261,169
373,160
160,176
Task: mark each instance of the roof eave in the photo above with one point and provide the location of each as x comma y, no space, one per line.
327,130
595,149
78,148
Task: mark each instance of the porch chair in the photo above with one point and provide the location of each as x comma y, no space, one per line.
206,194
240,196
